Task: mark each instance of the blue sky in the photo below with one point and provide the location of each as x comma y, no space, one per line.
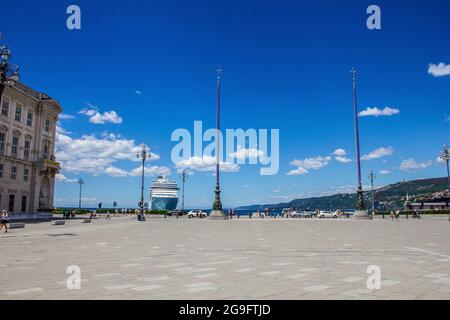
137,70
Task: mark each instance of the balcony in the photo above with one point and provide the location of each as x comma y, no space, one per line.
50,166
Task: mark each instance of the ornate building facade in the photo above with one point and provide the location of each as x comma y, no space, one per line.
27,145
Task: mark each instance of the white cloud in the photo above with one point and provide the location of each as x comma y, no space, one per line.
447,119
298,171
340,156
439,70
206,163
411,164
150,171
60,129
90,154
378,153
88,112
96,117
384,171
311,163
109,116
64,116
340,152
375,112
115,172
138,92
342,159
62,178
243,153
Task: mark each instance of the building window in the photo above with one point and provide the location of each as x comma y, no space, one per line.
2,141
26,149
18,115
47,125
11,203
13,173
25,175
5,106
15,142
46,150
30,119
1,170
24,203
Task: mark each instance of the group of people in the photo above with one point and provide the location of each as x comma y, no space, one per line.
231,214
93,215
69,215
262,214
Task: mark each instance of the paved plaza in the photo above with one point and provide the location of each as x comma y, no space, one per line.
239,259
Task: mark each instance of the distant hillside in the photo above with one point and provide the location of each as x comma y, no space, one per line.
389,197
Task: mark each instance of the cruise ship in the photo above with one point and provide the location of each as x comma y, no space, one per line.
163,194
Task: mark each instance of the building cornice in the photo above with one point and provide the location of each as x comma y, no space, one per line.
38,97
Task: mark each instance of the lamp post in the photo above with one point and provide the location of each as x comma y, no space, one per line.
9,74
183,177
372,177
361,212
445,156
217,212
81,183
142,154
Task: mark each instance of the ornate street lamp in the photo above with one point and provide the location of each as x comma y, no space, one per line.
9,74
81,183
361,212
142,154
445,156
217,212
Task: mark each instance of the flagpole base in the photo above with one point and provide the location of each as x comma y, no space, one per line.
362,215
217,215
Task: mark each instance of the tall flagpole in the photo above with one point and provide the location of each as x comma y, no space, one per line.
217,211
218,133
361,212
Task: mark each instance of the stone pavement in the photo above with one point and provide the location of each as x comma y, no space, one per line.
239,259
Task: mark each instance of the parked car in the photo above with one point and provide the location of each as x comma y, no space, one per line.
294,214
175,213
300,214
197,214
309,214
327,214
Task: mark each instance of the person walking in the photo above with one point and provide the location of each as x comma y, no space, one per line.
238,214
108,216
392,215
4,222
